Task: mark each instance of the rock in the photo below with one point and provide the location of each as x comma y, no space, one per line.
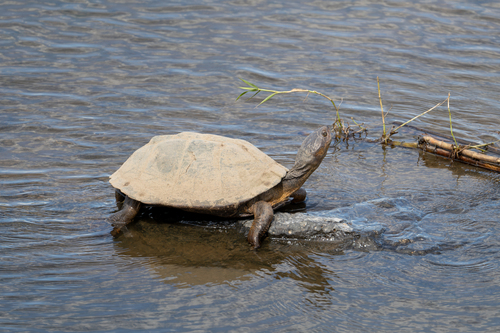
304,225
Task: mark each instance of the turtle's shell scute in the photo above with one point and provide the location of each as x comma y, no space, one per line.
198,171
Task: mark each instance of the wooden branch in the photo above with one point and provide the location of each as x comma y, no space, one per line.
431,148
490,148
461,158
464,152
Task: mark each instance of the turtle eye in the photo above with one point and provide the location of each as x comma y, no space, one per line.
324,133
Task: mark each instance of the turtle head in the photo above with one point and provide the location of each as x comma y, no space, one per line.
311,153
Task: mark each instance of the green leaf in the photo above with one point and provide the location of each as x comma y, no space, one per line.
243,93
255,94
249,89
250,84
267,98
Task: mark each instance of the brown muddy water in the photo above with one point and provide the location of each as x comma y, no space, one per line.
85,83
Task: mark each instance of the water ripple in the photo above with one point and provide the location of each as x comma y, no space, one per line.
84,84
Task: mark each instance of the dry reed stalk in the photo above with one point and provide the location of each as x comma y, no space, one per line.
384,136
461,158
432,148
412,119
465,152
405,144
490,148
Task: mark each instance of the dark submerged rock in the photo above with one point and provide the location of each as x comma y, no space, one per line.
310,226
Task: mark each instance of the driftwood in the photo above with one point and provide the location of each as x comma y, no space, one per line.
461,158
465,152
490,148
463,155
441,148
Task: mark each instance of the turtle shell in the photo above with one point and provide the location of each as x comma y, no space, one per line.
197,171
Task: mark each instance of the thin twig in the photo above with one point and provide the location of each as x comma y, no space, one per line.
382,109
252,87
412,119
362,128
451,127
483,145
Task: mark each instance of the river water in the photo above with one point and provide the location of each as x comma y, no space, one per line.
85,83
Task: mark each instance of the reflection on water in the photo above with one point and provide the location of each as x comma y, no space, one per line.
189,249
84,84
198,252
178,254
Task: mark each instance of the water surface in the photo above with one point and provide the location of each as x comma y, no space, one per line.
85,83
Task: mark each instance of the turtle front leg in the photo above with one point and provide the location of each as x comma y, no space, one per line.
299,195
263,216
124,216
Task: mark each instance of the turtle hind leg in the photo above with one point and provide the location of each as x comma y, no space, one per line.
120,198
263,216
124,216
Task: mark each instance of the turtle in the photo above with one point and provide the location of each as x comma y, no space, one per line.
216,175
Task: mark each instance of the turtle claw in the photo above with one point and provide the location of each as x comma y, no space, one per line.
119,230
126,232
254,243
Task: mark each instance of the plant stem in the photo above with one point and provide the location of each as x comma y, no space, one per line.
412,119
483,145
253,87
381,108
451,127
363,128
